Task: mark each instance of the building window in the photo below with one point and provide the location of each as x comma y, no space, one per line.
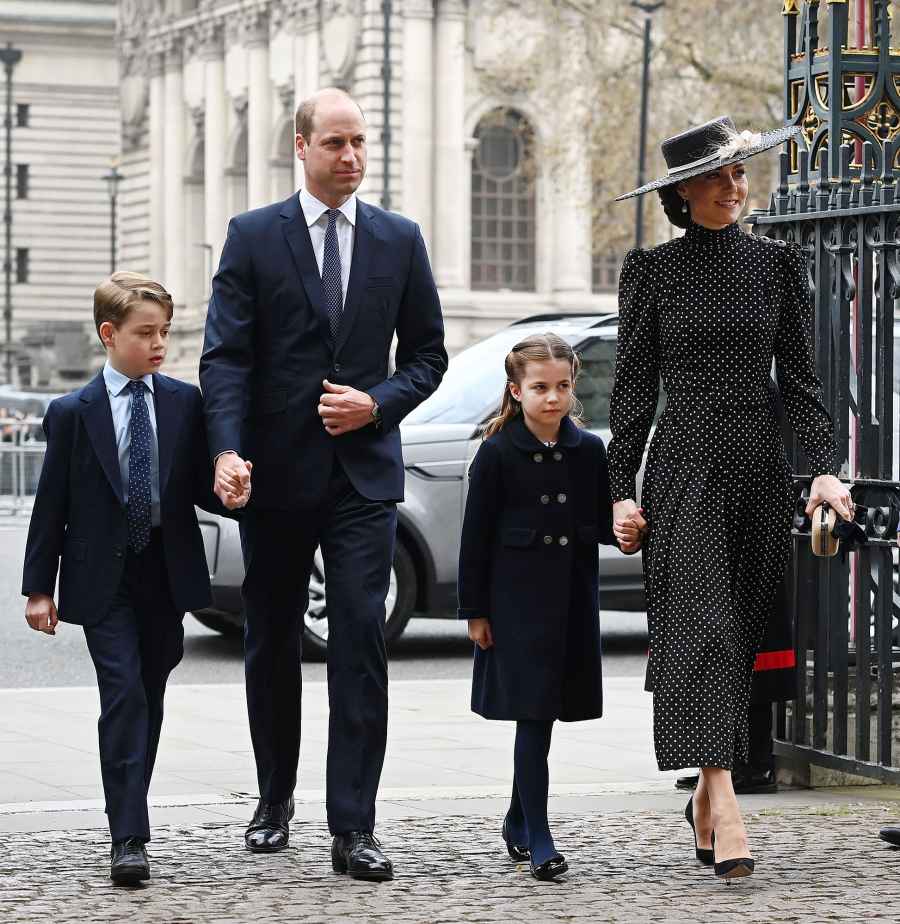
23,115
21,264
605,269
503,204
21,181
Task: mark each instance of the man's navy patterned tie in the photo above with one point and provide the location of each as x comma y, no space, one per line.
138,509
331,275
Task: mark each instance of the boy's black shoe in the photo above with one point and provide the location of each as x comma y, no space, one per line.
269,830
746,781
891,836
359,854
129,864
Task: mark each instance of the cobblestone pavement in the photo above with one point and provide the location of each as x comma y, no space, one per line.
815,864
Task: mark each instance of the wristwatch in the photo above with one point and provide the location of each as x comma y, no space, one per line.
376,414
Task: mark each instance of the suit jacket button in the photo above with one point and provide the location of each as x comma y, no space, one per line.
557,456
563,540
548,540
545,498
117,551
538,457
561,498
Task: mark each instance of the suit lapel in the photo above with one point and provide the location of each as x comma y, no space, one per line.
168,423
296,233
98,422
364,242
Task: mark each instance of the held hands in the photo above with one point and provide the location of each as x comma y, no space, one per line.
40,613
827,488
343,408
480,633
629,525
232,480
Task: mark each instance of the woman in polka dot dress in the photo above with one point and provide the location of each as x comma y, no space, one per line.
707,313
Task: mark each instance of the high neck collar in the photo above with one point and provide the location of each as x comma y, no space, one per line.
707,239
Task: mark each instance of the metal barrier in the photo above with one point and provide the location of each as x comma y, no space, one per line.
838,201
22,450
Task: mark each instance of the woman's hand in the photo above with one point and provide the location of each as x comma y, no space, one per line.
629,525
830,490
480,633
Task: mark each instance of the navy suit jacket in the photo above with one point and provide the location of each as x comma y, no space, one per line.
268,347
79,510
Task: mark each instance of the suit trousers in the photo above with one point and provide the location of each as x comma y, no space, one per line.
134,648
357,539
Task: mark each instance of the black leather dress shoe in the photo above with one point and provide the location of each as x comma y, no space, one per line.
891,835
747,780
128,862
269,830
359,854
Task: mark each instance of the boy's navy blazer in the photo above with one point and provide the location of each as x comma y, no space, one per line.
79,511
268,346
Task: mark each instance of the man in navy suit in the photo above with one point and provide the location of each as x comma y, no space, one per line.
126,461
295,375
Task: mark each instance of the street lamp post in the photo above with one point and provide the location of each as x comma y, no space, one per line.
113,178
10,57
649,9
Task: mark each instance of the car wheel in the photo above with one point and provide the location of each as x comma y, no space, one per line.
221,622
398,606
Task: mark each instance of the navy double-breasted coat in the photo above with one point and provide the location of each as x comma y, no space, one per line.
529,564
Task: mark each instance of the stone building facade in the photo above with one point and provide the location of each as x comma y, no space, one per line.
208,91
65,131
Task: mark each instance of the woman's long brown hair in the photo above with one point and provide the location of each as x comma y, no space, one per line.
536,349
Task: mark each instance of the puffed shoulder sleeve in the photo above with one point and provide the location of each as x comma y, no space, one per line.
795,370
636,389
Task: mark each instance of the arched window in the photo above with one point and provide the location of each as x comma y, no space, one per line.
503,203
281,163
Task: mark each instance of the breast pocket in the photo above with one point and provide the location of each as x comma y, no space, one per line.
380,282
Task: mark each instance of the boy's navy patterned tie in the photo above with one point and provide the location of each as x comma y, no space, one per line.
331,275
138,509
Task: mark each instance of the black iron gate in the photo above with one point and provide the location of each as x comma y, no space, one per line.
839,199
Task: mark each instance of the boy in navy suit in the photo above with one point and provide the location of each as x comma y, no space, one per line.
126,462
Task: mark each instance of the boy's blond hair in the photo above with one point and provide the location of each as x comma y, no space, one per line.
116,297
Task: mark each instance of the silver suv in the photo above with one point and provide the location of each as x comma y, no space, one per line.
439,439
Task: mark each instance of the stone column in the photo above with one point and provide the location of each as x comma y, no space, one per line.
305,15
418,113
157,265
451,237
215,137
173,161
259,106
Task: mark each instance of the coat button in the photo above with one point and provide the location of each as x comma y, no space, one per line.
337,367
557,456
563,540
117,551
538,457
548,540
561,498
545,498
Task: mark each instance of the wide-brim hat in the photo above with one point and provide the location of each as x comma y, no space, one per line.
706,147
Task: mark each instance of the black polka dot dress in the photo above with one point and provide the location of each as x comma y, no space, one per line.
707,313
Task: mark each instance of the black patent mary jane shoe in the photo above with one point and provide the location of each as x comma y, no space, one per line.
269,830
519,853
128,862
704,855
358,853
550,869
735,869
890,836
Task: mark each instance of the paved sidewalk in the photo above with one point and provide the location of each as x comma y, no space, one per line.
444,792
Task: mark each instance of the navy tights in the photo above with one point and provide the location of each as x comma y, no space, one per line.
526,821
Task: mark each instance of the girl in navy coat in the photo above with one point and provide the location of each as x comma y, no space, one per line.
538,504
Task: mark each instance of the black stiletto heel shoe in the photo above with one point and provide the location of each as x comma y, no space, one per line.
735,869
516,851
550,869
704,855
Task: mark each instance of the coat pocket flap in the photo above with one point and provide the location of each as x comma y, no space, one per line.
518,537
588,533
272,401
